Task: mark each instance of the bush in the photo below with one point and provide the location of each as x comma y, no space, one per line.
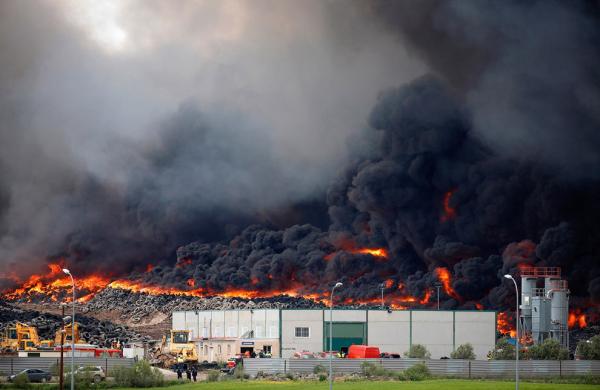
418,372
319,369
141,374
417,351
588,349
213,375
239,373
322,377
371,370
503,351
21,381
464,351
550,349
84,381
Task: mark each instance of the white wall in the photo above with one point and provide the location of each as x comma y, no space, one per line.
477,328
228,323
433,329
389,331
313,319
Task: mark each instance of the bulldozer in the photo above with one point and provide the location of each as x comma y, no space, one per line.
68,334
175,348
20,337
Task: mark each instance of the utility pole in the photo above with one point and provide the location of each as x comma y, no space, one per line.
382,287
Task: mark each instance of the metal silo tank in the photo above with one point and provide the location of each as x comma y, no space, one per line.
527,292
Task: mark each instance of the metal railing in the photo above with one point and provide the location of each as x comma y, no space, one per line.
540,272
449,367
13,365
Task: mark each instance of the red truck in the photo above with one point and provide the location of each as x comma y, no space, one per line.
363,352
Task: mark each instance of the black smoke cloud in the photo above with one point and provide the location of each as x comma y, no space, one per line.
526,69
506,122
121,140
394,200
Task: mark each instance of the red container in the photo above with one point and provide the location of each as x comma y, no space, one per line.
363,352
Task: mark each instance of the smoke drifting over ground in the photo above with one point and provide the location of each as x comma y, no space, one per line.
235,130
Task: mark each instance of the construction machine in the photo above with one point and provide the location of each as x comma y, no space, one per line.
68,334
175,348
19,337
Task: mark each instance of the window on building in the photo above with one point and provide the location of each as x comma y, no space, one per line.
273,332
219,349
204,332
228,349
231,331
218,331
302,332
206,350
259,332
266,348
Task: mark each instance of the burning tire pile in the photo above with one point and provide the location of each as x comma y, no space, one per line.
140,306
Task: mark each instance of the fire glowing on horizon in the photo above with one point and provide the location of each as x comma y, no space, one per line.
54,284
378,253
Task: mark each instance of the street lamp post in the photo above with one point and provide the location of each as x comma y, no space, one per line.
507,276
66,271
438,286
61,374
338,284
382,287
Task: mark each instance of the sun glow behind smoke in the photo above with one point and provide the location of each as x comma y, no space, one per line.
102,20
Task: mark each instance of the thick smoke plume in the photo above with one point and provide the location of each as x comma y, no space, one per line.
395,200
486,161
129,128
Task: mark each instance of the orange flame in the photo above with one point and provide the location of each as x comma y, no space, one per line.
378,253
449,212
183,263
505,326
55,284
444,276
577,319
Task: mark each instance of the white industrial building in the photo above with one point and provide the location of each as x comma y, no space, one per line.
222,334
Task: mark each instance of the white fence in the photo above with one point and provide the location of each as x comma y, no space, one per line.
12,365
449,367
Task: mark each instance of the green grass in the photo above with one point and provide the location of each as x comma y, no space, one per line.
377,385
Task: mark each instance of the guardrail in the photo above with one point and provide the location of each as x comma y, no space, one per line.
449,367
12,365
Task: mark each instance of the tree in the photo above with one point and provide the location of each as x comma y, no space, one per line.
464,351
550,349
588,349
503,351
417,351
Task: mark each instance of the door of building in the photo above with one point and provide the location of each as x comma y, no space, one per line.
345,334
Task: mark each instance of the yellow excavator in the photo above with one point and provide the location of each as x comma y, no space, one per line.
23,337
20,337
175,347
68,333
